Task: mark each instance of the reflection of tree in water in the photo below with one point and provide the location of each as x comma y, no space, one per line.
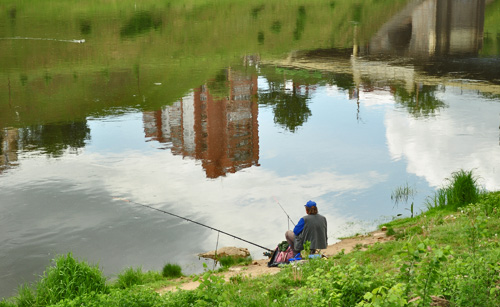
219,86
289,105
420,102
343,81
141,22
53,139
300,23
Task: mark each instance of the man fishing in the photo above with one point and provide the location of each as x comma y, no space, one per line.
312,228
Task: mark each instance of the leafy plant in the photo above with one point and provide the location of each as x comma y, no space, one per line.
307,250
210,286
419,268
490,203
283,246
430,269
385,297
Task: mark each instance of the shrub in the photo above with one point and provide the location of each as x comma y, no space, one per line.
67,279
462,189
171,270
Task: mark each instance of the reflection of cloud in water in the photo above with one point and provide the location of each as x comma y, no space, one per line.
460,137
241,204
376,98
368,98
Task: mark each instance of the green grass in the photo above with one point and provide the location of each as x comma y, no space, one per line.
460,190
131,277
171,270
228,261
67,278
25,297
4,303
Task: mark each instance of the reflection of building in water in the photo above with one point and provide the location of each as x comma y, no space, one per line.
8,148
221,132
433,27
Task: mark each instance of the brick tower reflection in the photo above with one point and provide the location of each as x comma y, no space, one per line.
221,132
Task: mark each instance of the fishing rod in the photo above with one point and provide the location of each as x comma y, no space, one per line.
189,220
284,211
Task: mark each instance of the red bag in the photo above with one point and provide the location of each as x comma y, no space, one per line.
280,257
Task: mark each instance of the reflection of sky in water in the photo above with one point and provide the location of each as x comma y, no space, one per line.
117,134
349,164
465,135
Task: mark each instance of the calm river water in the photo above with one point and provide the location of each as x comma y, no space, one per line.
223,111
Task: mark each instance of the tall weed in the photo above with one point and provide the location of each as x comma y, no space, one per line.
461,189
68,278
171,270
464,189
129,277
25,296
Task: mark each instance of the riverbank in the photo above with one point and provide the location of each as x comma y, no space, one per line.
446,256
259,267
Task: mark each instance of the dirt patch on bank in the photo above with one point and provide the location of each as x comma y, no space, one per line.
259,267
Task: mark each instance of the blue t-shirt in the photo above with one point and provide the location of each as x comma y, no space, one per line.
299,227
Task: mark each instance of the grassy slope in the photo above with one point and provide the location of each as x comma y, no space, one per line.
469,235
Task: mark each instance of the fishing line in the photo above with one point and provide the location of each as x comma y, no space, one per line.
285,212
189,220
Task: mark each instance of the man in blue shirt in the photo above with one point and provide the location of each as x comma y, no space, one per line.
312,228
